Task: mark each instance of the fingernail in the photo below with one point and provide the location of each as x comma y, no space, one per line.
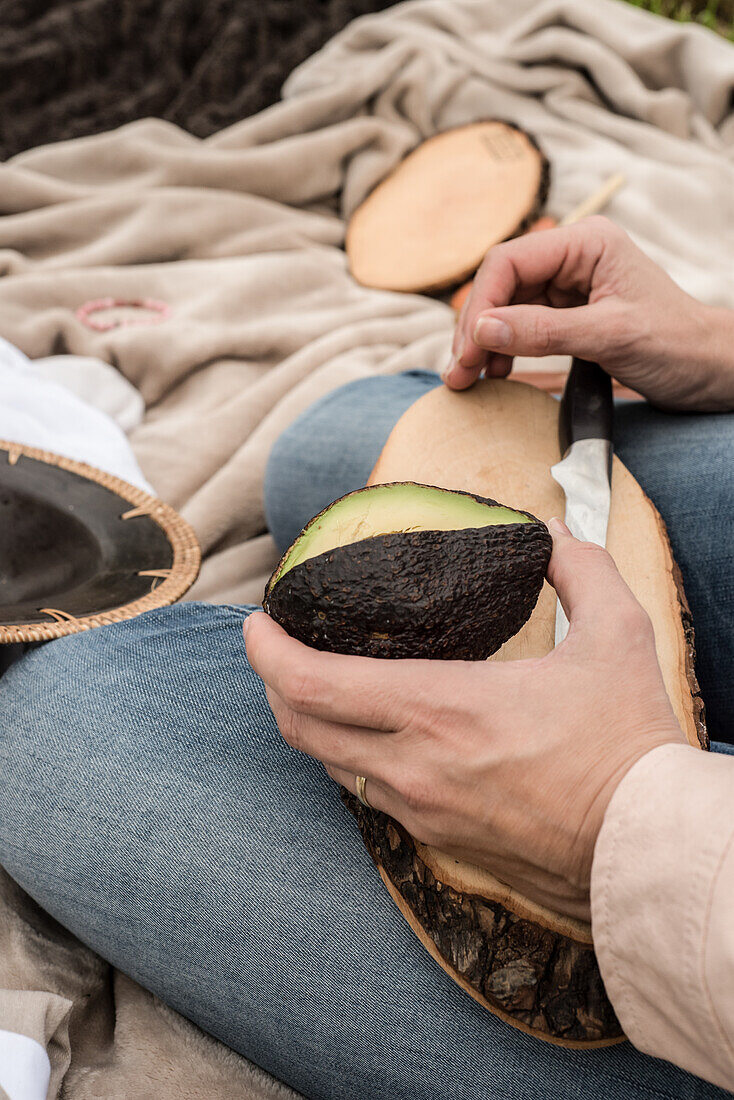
446,373
490,332
557,526
457,350
246,626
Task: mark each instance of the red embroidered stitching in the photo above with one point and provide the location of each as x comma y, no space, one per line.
159,311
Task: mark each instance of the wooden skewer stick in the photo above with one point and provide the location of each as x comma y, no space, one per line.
597,201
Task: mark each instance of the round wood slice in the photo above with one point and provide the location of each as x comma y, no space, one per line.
532,967
430,222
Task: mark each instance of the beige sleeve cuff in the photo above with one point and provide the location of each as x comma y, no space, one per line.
662,908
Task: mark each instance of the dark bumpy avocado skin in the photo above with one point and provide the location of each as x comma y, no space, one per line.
451,595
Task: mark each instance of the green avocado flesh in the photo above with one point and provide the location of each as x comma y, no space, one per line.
388,509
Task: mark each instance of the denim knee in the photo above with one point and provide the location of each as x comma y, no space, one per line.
331,448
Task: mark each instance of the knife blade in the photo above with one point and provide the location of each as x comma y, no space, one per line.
585,434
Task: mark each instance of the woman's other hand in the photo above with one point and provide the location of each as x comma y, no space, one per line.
587,290
508,765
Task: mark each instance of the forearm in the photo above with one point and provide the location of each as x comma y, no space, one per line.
662,898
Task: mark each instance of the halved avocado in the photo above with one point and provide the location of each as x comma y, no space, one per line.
408,570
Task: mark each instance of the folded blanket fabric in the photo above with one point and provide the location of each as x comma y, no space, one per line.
236,242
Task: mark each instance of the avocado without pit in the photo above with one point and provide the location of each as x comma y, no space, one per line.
407,570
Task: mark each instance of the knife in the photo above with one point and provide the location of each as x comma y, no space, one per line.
585,434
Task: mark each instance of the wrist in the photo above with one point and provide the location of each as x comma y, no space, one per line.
594,817
711,356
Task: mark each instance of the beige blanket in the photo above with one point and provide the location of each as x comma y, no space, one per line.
241,236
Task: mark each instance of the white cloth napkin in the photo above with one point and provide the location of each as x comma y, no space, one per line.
25,1069
80,416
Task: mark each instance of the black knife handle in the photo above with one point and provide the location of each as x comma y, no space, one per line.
587,408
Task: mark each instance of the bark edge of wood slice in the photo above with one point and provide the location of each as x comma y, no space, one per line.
531,967
429,223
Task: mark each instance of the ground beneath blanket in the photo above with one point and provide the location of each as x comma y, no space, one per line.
74,67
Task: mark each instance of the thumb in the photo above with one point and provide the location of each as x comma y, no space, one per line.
543,330
591,589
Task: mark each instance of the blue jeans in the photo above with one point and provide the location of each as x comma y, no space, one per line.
151,806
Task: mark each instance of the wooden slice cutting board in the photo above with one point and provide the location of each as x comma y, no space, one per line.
533,968
429,224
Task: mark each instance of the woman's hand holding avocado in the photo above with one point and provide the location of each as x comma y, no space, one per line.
587,290
508,765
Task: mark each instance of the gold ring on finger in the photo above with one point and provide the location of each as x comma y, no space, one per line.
361,784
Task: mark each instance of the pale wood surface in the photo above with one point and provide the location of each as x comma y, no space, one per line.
430,222
500,439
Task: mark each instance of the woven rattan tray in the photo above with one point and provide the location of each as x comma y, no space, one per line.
80,548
